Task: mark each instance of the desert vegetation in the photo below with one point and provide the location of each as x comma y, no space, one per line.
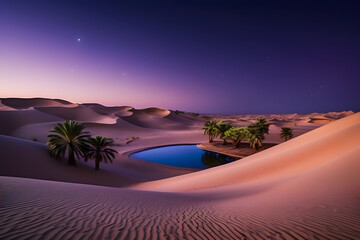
69,138
221,129
99,149
210,129
286,133
237,134
188,113
254,133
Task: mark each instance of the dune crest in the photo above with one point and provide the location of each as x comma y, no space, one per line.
156,118
80,113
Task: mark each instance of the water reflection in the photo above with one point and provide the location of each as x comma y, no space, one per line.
212,159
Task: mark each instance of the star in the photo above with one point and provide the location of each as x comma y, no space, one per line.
78,39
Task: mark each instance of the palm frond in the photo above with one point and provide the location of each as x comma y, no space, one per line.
68,136
99,149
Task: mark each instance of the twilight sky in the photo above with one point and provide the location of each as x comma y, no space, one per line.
200,56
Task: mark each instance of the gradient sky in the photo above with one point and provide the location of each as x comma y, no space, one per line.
200,56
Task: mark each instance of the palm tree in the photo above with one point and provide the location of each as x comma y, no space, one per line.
286,133
99,149
221,128
210,129
257,131
255,138
237,134
261,126
68,137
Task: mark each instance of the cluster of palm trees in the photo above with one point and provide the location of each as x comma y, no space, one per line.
254,133
69,138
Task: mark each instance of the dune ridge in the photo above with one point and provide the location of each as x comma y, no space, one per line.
25,103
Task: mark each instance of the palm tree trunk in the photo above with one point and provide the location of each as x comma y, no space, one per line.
225,142
97,163
71,157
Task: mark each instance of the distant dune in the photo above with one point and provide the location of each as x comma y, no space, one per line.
79,113
25,103
305,188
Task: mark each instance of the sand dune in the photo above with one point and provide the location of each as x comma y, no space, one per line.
25,103
156,119
5,107
11,120
53,210
155,111
33,208
35,132
296,156
338,115
151,118
16,152
124,113
320,120
117,111
79,113
305,188
324,118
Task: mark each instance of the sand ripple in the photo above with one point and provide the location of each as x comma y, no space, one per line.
39,209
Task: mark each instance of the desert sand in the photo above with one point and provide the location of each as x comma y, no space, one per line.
305,188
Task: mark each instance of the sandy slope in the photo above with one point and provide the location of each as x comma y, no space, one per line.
79,113
40,165
12,120
54,210
125,110
306,188
155,118
306,152
5,107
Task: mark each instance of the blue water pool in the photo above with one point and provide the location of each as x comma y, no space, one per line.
188,156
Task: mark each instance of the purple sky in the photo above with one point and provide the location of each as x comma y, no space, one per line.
200,56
